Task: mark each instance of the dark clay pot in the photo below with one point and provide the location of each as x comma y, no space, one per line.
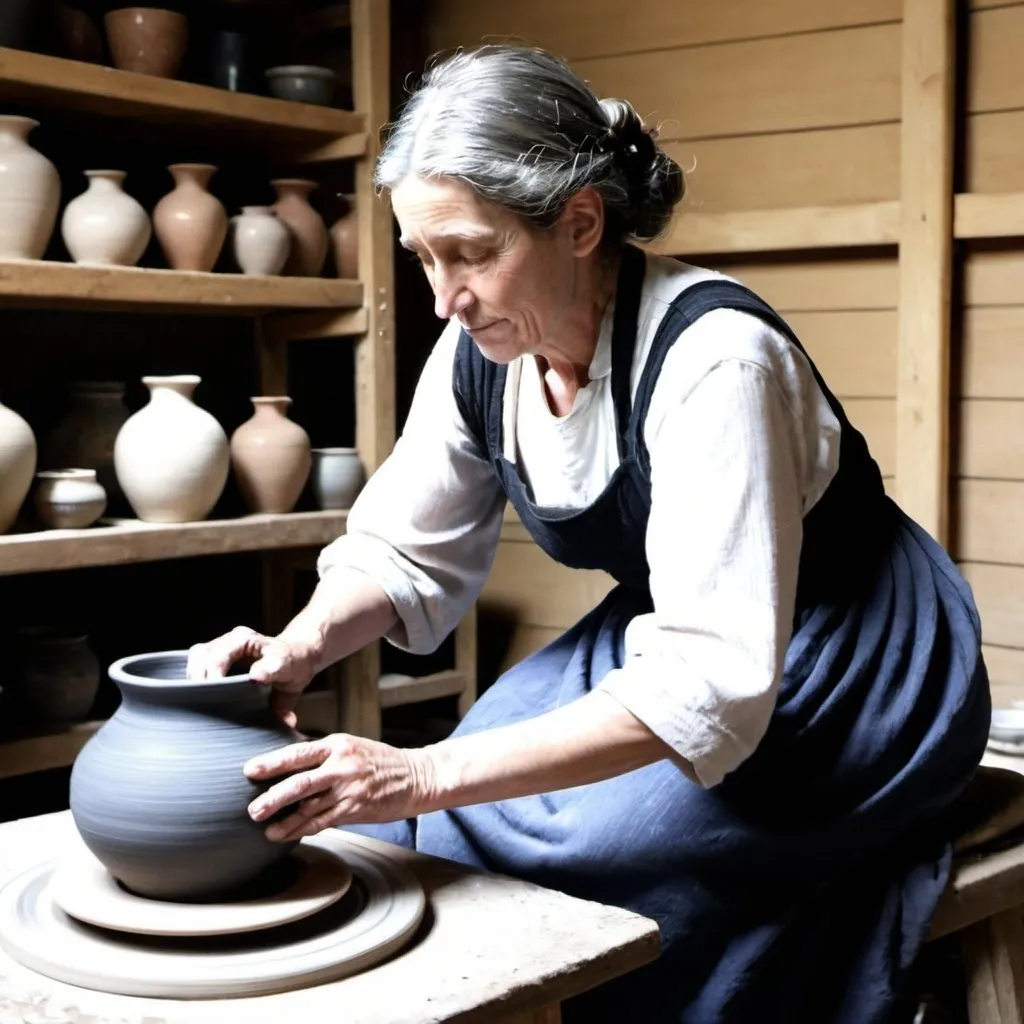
158,794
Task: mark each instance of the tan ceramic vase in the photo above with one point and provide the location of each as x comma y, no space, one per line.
345,241
17,464
171,457
147,40
29,192
260,243
271,458
306,227
190,223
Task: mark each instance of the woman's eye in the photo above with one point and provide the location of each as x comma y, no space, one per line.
475,259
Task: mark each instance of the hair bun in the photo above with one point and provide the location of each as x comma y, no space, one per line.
654,179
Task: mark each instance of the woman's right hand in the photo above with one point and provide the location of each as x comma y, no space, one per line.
287,665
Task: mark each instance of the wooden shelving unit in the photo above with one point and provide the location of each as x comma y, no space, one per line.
288,309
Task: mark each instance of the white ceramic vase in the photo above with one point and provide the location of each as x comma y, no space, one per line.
69,499
17,464
337,477
171,457
29,192
260,241
104,225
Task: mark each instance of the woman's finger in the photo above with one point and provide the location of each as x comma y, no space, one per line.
292,758
307,811
213,660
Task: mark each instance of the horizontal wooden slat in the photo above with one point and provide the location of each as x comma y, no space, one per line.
48,284
814,227
73,85
127,541
875,418
991,440
994,81
990,521
809,168
995,152
1005,673
397,689
770,85
814,285
540,592
989,216
56,749
321,324
993,278
854,351
574,29
999,593
992,361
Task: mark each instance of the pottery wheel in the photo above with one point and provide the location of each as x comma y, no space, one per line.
311,879
378,915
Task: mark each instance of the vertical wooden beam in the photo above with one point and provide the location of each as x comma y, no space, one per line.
375,352
926,254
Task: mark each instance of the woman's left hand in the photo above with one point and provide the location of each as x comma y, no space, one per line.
339,780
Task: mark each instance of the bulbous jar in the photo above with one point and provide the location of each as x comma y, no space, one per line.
17,464
171,457
104,225
159,794
29,192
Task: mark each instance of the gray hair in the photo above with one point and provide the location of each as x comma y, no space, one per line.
522,129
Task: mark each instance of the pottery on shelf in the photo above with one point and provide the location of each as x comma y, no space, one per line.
20,23
171,457
306,227
159,794
270,455
29,192
59,674
190,222
84,436
80,36
260,242
69,499
104,225
337,477
147,40
17,464
302,83
345,241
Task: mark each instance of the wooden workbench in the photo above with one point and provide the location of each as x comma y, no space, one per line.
492,949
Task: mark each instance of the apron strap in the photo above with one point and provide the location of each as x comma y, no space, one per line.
624,326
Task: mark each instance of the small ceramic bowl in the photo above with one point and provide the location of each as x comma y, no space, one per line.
302,83
336,477
69,499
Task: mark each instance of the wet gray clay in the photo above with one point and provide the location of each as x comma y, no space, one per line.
158,794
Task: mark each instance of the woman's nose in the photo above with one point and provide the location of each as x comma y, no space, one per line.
451,296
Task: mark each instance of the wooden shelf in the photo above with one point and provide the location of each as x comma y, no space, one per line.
126,541
70,85
49,284
396,689
56,749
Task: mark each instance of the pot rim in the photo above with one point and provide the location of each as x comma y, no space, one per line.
335,451
121,671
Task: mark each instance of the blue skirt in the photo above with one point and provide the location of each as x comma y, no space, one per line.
802,887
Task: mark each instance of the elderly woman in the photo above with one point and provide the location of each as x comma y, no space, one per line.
752,738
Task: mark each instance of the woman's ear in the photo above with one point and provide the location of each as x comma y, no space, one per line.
582,220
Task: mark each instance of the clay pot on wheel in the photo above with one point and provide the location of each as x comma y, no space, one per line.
159,795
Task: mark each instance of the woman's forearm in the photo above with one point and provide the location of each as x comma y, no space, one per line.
346,612
589,740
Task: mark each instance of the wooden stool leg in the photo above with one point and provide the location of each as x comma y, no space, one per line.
993,952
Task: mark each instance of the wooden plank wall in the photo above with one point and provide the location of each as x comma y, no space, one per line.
785,113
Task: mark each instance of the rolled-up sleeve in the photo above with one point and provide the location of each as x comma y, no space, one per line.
426,525
728,491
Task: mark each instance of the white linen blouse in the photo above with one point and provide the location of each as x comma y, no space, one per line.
742,444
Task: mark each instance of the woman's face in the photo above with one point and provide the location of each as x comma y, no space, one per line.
512,287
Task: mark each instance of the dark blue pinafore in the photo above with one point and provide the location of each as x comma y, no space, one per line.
801,888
